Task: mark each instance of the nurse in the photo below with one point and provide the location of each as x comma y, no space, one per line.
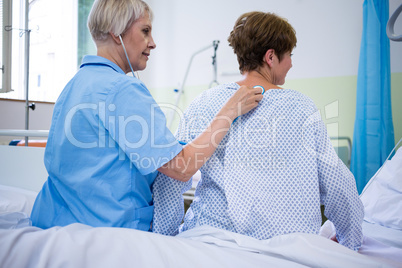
108,137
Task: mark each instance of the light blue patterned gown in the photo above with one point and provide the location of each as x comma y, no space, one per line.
269,175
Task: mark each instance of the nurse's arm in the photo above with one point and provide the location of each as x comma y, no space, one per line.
195,154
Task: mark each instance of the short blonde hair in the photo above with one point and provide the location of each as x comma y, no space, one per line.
115,16
254,33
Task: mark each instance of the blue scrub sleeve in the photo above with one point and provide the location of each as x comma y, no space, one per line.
138,125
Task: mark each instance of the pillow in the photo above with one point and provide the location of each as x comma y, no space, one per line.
14,199
382,197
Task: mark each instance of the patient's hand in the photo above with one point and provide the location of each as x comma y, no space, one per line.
333,238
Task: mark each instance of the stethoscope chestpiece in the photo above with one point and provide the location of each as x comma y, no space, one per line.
262,88
262,92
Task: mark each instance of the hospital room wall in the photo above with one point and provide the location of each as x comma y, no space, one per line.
12,116
335,97
325,61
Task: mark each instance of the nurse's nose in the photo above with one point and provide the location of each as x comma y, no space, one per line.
151,43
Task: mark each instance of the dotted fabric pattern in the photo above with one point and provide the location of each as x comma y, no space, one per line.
268,176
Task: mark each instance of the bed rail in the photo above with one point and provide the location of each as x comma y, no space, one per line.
349,147
24,133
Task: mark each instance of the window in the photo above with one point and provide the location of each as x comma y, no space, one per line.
58,40
5,45
85,43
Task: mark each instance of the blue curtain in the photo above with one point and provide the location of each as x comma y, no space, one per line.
373,137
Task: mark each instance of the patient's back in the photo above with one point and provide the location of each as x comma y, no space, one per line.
269,175
262,180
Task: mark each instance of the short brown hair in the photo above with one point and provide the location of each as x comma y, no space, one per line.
256,32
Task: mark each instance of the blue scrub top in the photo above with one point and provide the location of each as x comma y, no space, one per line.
108,136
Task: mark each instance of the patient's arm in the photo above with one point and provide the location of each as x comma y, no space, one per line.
168,204
168,192
338,191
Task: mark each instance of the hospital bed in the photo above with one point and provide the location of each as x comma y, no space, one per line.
78,245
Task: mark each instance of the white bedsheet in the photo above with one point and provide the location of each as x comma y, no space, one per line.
379,243
13,199
385,235
78,245
382,196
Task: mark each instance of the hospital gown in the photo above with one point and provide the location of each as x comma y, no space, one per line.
268,176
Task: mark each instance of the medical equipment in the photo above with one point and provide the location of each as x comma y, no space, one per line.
390,25
26,67
180,91
262,89
262,92
125,52
7,46
182,142
344,152
7,67
215,44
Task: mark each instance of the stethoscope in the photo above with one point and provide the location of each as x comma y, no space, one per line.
262,89
125,52
132,71
262,92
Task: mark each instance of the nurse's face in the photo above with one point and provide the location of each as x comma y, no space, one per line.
282,69
139,43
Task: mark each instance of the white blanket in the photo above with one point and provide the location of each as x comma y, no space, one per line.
379,242
382,196
78,245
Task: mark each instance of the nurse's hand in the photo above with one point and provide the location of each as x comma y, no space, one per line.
196,153
245,99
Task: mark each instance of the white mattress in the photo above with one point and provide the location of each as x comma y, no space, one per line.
13,199
78,245
385,235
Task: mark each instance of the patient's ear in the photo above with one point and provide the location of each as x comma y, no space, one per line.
269,57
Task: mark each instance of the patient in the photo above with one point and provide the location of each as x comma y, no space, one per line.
276,165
